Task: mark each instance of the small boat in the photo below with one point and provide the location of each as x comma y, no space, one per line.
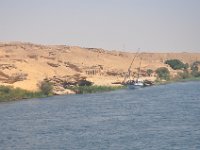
132,84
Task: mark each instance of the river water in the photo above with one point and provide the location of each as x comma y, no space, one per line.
165,117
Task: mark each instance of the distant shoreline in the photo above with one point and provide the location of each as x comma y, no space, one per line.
20,94
179,80
26,65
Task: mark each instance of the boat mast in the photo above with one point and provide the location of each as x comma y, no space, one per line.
139,69
129,69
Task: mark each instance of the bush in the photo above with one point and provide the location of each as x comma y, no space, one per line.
8,93
46,87
184,75
196,63
176,64
149,72
163,73
195,73
5,89
84,83
195,69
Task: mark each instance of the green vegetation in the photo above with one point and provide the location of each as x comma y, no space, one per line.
189,79
176,64
8,93
163,73
191,74
94,89
46,87
195,74
149,72
183,75
195,69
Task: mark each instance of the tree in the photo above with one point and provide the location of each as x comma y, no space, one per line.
176,64
163,73
149,72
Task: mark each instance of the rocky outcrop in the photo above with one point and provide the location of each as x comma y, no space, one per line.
66,81
7,66
72,66
53,64
61,84
4,78
62,91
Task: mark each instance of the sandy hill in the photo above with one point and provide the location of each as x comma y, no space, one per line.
25,64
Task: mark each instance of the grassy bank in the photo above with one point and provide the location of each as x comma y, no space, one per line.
94,89
158,82
188,79
8,93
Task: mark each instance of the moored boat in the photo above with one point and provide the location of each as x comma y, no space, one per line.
135,83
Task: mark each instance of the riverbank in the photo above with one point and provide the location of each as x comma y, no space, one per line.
177,80
189,79
94,89
8,93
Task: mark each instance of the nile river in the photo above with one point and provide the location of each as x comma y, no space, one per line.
165,117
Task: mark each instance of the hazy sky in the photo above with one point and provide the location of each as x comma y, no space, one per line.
151,25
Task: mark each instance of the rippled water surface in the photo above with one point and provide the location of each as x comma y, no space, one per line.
163,117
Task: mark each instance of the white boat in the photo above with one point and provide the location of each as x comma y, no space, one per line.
135,84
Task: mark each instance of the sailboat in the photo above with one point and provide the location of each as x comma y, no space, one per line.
138,82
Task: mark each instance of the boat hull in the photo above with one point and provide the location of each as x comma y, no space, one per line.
135,86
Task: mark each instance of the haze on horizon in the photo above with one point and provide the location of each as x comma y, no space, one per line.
151,25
